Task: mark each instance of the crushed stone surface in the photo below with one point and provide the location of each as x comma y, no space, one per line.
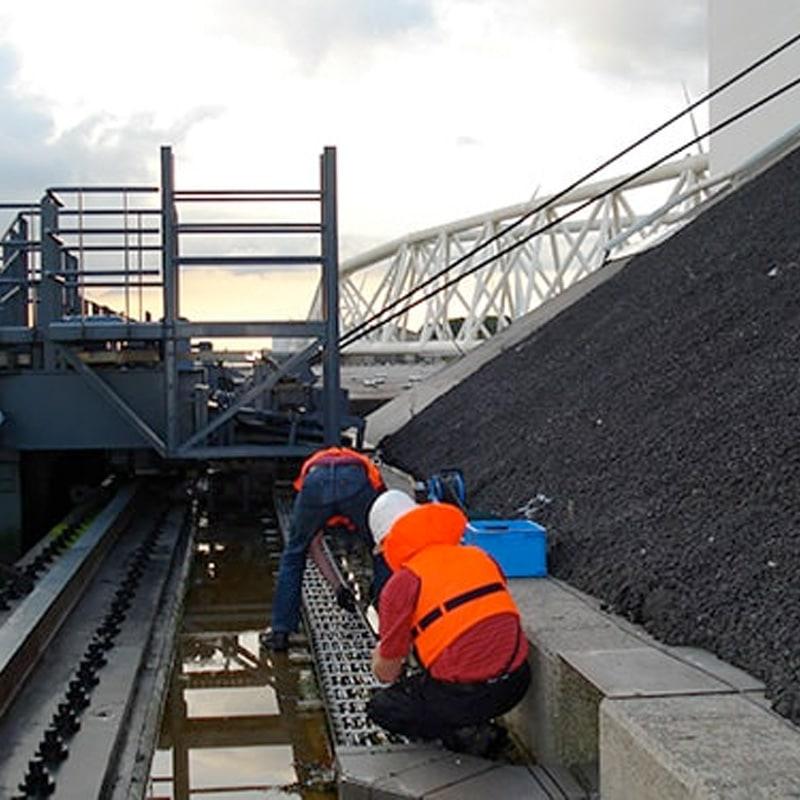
653,429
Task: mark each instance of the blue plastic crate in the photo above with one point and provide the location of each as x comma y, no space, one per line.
519,546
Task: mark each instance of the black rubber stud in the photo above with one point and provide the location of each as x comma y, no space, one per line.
86,676
76,696
52,748
37,782
65,721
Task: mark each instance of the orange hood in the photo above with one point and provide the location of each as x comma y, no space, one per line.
426,525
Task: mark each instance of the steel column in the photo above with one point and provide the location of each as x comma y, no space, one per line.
330,299
169,242
48,298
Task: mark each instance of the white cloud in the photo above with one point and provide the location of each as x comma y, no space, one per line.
99,148
313,29
634,41
439,108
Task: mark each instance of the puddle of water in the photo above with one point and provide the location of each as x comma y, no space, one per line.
232,729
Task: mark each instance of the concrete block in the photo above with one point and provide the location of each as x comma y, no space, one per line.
706,747
557,720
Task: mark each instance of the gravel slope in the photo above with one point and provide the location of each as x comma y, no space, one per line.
652,427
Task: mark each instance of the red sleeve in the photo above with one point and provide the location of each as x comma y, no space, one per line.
395,612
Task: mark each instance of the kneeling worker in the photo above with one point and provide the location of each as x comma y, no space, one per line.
450,604
335,488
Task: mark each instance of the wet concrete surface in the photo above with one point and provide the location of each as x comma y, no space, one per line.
239,724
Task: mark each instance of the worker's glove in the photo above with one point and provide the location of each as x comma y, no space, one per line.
345,599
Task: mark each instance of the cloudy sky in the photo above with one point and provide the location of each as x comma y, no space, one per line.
438,108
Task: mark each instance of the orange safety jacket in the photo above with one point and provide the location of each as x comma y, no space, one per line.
459,586
345,454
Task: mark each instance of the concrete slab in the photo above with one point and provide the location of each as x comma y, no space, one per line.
579,656
733,676
422,780
406,773
359,765
703,748
506,781
641,671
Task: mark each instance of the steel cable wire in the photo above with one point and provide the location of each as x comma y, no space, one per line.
375,321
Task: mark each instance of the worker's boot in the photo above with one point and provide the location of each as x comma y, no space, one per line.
277,641
483,740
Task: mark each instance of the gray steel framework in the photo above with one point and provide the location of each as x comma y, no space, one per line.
133,240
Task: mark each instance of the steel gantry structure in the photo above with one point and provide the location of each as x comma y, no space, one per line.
76,374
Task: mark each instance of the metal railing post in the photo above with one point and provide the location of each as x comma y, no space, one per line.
48,305
330,299
169,265
14,310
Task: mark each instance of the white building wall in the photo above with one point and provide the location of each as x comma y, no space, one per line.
740,31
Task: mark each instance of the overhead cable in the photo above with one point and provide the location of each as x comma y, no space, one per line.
376,321
366,326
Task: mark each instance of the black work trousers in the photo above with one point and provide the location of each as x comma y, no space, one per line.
421,707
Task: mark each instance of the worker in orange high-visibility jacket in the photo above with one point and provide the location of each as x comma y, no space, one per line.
335,489
447,603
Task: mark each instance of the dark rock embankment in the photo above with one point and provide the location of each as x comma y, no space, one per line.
654,428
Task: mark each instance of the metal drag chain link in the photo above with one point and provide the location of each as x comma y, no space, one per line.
342,644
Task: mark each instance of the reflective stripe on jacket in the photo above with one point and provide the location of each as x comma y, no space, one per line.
459,586
342,455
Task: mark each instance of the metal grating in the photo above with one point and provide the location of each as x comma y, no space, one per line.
342,645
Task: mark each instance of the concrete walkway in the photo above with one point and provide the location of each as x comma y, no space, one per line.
636,719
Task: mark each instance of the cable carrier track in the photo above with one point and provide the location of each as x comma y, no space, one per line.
342,644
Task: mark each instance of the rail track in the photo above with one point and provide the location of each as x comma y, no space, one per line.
86,637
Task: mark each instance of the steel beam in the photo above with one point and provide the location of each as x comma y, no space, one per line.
102,331
107,393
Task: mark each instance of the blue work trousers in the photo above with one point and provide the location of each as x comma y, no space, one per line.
328,490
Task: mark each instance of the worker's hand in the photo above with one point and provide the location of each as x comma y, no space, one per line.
345,599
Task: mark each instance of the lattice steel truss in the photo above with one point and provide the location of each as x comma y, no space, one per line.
610,224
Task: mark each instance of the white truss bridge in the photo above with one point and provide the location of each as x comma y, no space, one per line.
585,228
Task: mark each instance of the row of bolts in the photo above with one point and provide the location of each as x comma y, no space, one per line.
53,750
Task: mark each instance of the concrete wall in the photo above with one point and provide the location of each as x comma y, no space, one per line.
741,31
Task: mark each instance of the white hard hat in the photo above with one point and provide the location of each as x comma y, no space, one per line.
387,507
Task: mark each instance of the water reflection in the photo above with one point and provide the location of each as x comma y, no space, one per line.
236,726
